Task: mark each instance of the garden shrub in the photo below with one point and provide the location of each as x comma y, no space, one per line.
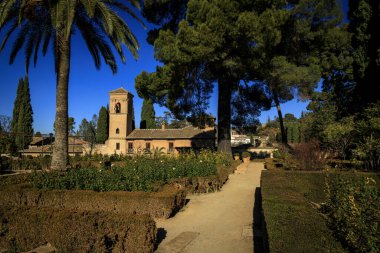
25,228
353,210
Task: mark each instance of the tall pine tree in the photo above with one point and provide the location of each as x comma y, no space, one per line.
22,123
102,129
148,115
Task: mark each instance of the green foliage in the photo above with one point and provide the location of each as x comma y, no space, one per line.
139,173
368,138
102,125
71,125
364,18
148,115
322,113
26,163
22,122
87,130
7,140
339,136
353,210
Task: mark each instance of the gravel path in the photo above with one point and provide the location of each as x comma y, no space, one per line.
218,222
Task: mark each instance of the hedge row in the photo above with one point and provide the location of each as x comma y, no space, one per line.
208,183
160,204
25,228
292,223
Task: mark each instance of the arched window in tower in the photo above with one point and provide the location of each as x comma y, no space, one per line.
117,131
117,108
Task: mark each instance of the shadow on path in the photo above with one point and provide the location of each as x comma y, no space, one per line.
260,242
161,235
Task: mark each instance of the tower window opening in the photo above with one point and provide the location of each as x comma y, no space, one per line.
117,108
117,131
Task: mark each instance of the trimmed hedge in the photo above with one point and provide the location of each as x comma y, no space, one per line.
292,224
162,204
206,184
25,228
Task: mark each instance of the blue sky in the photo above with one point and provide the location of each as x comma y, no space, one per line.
89,87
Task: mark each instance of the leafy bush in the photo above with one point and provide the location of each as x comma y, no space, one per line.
353,210
246,155
139,174
25,163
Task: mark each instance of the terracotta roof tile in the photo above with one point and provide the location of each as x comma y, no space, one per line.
183,133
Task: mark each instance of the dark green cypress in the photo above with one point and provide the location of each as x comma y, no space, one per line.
364,18
16,106
23,113
147,115
102,129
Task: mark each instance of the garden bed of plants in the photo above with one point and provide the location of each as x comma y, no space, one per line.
294,208
26,228
132,185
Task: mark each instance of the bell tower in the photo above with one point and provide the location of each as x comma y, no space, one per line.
120,120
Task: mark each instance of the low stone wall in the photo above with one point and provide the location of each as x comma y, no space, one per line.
160,204
25,228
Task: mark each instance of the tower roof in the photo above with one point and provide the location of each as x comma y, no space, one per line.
120,90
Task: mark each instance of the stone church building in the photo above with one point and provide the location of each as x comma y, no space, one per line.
123,139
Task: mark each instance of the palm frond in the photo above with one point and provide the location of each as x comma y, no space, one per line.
96,43
8,34
19,42
6,7
37,46
48,35
128,10
31,40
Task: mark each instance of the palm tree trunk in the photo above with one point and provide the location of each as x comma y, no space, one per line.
282,127
224,116
60,148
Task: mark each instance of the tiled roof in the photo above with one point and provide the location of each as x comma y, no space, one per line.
183,133
119,90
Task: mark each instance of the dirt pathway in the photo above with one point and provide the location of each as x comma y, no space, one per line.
218,222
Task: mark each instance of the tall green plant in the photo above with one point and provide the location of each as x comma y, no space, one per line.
148,120
40,22
22,123
102,125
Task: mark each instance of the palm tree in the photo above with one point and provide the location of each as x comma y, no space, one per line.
45,21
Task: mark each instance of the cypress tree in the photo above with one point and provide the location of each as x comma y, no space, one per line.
102,129
147,115
22,122
16,106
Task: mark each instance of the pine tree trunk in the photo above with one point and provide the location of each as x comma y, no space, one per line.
60,148
282,127
224,116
